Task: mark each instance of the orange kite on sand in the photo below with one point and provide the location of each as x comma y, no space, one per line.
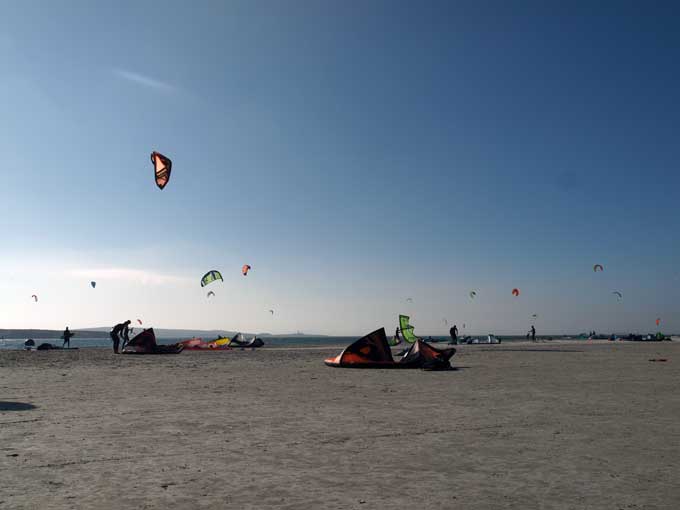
373,351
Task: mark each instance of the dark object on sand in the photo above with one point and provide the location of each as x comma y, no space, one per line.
145,343
659,337
658,360
51,347
29,344
373,351
239,341
15,406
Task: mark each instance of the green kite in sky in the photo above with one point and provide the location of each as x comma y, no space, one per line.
210,277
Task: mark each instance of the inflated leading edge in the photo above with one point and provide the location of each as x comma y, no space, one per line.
373,351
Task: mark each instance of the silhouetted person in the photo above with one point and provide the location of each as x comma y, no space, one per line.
533,333
120,331
125,335
67,338
454,334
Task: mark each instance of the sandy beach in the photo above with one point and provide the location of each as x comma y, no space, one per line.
554,425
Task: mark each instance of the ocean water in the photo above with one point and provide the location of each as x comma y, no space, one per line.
105,343
270,341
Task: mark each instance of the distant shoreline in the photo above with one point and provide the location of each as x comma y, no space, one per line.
103,332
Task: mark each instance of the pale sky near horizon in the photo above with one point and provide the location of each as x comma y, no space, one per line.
355,154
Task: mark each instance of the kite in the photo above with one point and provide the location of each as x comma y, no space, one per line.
534,316
210,277
145,343
210,294
406,329
245,269
140,322
473,294
94,284
271,311
239,341
197,344
373,351
35,298
409,300
515,292
446,323
162,167
658,321
618,294
598,267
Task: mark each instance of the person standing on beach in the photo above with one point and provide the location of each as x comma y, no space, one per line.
533,333
454,334
118,331
67,338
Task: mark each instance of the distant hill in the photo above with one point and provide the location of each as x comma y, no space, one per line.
201,333
103,332
173,333
49,333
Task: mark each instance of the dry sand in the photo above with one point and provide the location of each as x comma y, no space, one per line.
564,426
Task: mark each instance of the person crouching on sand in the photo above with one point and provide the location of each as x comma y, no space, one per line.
118,331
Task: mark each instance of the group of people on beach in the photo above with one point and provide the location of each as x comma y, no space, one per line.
65,336
454,334
120,332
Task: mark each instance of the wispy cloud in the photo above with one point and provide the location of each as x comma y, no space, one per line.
128,275
146,81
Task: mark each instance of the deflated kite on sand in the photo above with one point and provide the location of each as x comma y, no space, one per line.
372,351
240,341
197,344
145,343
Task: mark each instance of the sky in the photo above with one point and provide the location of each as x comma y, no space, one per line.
355,154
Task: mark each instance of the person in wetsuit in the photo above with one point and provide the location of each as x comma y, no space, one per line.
67,338
120,331
454,334
533,333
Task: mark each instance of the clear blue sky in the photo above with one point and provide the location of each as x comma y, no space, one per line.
354,153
